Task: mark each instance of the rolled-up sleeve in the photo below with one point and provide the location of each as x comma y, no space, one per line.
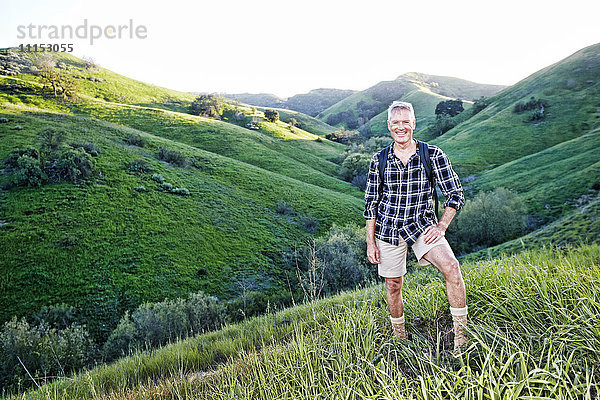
448,181
372,190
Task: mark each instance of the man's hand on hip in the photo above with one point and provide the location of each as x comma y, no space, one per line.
433,233
373,253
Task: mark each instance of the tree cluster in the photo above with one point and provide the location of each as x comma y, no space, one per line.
272,115
207,105
449,108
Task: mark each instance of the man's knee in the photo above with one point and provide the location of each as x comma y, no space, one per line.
393,285
452,269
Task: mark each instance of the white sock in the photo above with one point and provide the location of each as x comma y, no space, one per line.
458,312
399,320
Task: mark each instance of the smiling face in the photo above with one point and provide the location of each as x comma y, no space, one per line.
401,125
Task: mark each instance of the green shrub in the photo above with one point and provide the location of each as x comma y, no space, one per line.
141,166
158,178
166,186
284,208
310,224
172,156
11,161
490,218
141,188
52,142
59,316
44,350
3,120
17,128
28,172
180,191
90,148
135,139
72,165
154,324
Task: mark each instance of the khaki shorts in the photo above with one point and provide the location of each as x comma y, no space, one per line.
393,258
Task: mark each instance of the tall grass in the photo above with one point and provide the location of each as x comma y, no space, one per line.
535,334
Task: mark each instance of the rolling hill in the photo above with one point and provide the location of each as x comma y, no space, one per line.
121,239
566,93
424,91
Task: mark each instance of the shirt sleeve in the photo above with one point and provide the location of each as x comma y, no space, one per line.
372,190
448,181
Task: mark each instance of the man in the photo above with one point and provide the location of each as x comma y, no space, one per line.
400,213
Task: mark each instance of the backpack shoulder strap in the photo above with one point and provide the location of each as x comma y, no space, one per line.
423,149
382,162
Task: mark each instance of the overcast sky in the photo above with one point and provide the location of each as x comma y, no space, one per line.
288,47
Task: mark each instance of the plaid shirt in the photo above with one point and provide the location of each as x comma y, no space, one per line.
406,207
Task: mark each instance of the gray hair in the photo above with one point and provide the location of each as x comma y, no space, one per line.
401,105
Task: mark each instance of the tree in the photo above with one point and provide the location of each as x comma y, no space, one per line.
449,107
207,105
272,115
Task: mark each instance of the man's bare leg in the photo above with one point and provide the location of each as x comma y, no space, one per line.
396,306
445,261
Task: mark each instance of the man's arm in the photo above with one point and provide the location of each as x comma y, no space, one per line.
372,250
371,203
433,233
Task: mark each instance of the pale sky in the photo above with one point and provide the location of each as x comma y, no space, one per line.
289,47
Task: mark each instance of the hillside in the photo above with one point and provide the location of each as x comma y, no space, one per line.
424,91
533,327
564,93
316,100
122,239
311,103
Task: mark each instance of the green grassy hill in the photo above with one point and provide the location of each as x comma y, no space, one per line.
424,91
105,247
316,100
534,331
497,135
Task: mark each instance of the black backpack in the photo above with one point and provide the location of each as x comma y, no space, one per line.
423,149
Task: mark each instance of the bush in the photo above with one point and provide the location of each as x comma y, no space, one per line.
28,172
90,148
355,164
172,156
141,166
166,186
141,189
158,178
11,161
135,139
3,120
154,324
17,128
309,223
180,191
490,218
73,165
284,208
44,350
52,142
342,253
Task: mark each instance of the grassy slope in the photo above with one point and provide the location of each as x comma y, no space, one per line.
424,91
123,247
496,135
533,321
551,180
